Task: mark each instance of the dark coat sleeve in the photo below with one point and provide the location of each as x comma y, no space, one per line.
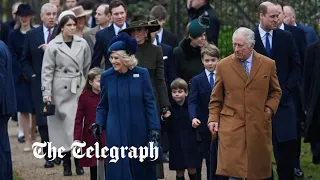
98,50
170,67
308,71
103,106
213,30
25,60
193,99
160,84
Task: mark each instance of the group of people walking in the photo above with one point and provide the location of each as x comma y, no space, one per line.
135,88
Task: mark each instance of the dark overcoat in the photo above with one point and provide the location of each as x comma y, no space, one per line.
127,110
311,89
31,63
183,147
7,108
285,54
151,57
85,117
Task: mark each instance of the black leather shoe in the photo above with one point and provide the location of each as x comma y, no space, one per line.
57,161
21,139
48,164
298,173
67,164
79,169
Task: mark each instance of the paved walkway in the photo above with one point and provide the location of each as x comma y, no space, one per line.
30,168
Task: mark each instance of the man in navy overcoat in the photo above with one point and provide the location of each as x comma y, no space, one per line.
7,108
279,45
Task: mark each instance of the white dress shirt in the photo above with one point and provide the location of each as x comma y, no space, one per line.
281,26
117,29
263,36
249,62
46,33
208,75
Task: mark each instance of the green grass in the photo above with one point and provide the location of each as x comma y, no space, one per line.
16,176
311,171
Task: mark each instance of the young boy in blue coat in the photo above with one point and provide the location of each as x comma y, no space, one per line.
184,153
200,92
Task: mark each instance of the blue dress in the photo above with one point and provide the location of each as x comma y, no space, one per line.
128,112
22,86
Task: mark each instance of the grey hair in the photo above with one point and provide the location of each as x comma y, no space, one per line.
247,33
291,9
47,6
129,60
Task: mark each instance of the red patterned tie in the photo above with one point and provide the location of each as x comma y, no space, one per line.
49,36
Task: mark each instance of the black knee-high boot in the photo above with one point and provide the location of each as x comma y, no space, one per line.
192,176
180,178
79,169
67,164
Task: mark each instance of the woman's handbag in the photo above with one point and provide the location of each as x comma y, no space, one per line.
48,109
157,150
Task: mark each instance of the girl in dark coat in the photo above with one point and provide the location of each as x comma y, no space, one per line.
23,87
183,148
188,53
86,115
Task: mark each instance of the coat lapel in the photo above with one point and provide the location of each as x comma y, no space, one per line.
93,32
71,52
205,81
256,64
259,44
237,66
40,36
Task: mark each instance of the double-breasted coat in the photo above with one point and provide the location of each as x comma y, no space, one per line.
237,103
64,72
128,112
86,116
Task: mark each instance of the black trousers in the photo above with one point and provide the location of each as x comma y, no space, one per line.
93,173
44,134
296,161
204,153
285,154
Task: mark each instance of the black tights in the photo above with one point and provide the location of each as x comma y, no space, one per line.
93,173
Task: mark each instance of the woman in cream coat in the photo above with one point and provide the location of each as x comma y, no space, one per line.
66,63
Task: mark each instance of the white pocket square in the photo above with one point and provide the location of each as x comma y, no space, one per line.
165,57
136,75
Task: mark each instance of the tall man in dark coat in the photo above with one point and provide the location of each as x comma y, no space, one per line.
7,108
279,45
197,8
118,12
31,63
311,99
301,44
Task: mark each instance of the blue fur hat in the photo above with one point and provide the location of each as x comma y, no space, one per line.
123,41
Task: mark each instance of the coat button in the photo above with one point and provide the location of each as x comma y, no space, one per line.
65,71
78,86
65,87
77,70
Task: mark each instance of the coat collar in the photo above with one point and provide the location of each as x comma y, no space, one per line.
75,47
237,66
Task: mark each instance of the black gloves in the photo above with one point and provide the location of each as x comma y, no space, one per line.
154,134
96,130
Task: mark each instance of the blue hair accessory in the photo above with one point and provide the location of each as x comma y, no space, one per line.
123,41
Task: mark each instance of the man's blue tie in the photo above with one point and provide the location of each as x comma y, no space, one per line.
211,80
268,49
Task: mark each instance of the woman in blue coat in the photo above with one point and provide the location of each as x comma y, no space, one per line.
127,110
23,87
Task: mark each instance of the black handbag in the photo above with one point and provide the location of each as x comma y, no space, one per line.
48,109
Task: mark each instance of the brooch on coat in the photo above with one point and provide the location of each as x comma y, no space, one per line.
165,57
136,75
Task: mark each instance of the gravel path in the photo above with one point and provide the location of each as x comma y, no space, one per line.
30,168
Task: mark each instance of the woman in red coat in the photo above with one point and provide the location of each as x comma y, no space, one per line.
86,115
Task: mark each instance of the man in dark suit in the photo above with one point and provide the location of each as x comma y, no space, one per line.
31,63
301,44
279,45
118,12
7,108
290,18
160,13
311,99
198,8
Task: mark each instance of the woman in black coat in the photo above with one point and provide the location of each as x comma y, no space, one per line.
188,53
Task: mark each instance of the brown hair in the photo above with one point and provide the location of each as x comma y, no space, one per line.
115,4
93,73
179,84
210,50
159,12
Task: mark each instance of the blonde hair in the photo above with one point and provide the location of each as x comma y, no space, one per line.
129,60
